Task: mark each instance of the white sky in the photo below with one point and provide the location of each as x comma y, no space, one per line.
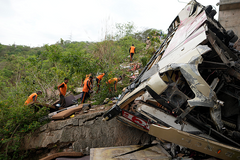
38,22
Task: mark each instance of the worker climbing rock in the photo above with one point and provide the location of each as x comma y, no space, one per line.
148,43
98,80
113,81
33,97
131,51
62,88
86,89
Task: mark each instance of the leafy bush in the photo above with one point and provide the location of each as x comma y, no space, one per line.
15,122
144,60
24,70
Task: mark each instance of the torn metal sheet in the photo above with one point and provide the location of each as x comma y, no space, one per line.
165,118
193,78
149,73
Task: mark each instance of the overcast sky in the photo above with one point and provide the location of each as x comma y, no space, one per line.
38,22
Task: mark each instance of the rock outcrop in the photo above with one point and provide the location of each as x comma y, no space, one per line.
81,133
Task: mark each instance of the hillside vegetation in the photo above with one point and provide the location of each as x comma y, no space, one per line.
24,70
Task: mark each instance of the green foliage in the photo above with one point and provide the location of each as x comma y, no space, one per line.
144,60
24,70
151,51
124,30
15,122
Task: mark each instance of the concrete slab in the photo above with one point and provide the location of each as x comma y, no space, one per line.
113,153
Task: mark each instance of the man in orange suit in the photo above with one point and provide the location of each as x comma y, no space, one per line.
86,89
33,97
98,80
62,88
113,81
131,51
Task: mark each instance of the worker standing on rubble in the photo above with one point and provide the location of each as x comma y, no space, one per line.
62,88
131,51
113,81
86,89
148,43
32,97
87,77
98,80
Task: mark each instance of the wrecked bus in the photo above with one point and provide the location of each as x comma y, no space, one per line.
188,93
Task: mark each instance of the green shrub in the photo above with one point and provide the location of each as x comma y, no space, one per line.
151,51
15,122
144,60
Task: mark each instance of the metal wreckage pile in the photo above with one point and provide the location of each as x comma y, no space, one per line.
188,93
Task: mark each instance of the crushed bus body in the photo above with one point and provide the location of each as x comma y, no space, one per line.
190,85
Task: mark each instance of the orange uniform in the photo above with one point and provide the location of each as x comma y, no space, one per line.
132,49
87,77
100,77
31,98
113,80
63,88
86,86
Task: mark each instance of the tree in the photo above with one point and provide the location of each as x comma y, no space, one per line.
123,30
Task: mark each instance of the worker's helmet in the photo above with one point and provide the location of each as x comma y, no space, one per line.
148,37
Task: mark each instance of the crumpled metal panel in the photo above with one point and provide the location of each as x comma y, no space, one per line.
186,29
183,53
190,76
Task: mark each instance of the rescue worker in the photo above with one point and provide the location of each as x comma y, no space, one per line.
113,81
62,88
84,79
148,43
87,77
131,51
33,97
86,89
98,80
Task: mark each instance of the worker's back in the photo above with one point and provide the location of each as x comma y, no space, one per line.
30,98
112,81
